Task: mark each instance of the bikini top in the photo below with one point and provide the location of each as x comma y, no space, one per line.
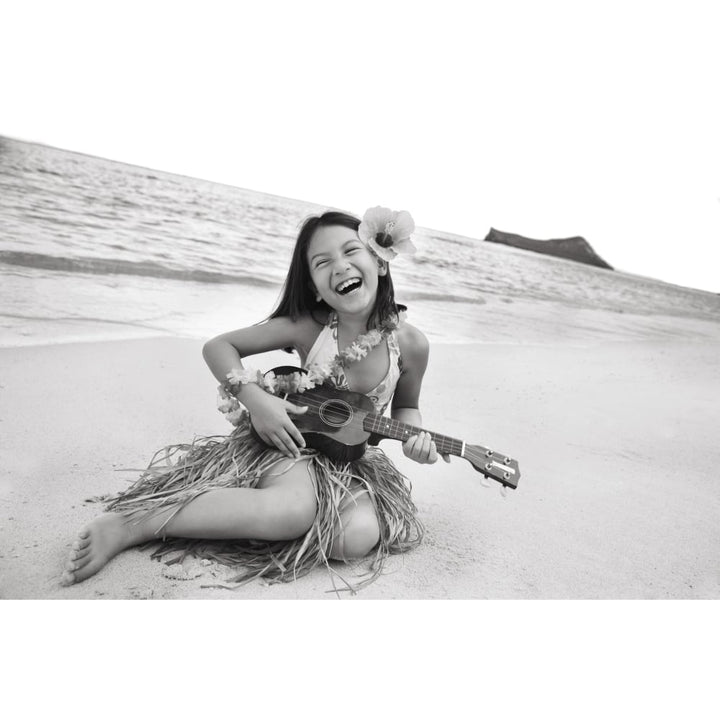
325,348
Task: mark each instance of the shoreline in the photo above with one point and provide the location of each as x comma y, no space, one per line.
599,431
499,321
577,344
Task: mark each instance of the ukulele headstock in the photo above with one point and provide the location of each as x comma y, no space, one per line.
493,465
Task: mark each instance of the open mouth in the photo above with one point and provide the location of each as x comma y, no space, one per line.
348,286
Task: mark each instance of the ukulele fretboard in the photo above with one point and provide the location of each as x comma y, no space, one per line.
396,430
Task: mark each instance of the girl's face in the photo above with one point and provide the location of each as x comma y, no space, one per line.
343,271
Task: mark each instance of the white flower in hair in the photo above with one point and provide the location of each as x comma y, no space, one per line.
387,232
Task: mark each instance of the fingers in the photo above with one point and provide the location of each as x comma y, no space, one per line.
281,440
295,409
285,444
431,449
295,434
292,429
421,448
276,428
413,446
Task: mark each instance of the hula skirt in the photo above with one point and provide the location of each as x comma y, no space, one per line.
178,474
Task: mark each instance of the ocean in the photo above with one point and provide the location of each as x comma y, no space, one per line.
93,249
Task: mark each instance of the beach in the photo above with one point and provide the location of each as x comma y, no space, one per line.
602,384
616,440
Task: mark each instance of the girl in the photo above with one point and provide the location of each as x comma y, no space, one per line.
263,501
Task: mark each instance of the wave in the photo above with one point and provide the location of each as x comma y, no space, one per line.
45,171
72,318
440,297
457,240
108,266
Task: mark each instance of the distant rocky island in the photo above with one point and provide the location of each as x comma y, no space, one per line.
573,248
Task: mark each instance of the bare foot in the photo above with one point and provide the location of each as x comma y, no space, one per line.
97,544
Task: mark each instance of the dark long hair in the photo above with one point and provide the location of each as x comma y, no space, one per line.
297,297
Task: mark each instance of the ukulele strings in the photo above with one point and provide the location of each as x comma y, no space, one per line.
356,422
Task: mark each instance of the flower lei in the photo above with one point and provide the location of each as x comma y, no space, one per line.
315,374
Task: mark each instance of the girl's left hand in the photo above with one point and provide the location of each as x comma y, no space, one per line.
421,448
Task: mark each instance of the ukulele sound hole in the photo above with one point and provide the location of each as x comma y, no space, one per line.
335,413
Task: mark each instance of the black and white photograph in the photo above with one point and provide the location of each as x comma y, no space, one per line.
351,302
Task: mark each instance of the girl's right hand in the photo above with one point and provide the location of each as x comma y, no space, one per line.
271,420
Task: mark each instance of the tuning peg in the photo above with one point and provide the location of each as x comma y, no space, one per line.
485,482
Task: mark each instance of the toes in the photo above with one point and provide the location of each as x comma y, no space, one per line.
83,540
93,546
75,564
77,554
67,578
82,561
86,571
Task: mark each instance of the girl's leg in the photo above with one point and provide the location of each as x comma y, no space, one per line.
357,531
282,508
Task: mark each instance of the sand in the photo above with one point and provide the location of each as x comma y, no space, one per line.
617,442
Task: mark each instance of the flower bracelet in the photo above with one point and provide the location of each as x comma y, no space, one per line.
230,406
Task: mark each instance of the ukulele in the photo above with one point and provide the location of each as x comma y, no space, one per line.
340,423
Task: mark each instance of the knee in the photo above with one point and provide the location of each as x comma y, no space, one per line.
359,536
292,520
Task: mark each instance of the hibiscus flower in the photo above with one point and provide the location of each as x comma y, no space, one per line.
387,232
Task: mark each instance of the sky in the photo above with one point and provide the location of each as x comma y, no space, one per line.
547,119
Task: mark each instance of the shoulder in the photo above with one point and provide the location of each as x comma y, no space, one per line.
414,346
415,350
306,329
301,324
273,334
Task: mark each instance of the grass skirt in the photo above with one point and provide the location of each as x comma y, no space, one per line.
180,473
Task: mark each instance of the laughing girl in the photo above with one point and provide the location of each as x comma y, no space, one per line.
259,499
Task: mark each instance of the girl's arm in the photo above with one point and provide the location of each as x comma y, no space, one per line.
415,351
224,352
269,414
